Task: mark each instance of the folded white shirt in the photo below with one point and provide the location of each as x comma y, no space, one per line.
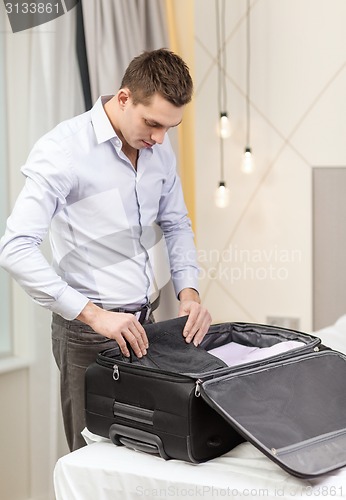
236,354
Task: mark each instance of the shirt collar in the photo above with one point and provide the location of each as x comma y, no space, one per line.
102,126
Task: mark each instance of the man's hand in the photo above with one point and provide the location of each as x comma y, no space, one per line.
118,326
199,318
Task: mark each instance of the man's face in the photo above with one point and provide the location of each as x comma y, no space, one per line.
142,126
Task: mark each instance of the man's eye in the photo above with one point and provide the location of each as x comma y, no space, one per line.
150,124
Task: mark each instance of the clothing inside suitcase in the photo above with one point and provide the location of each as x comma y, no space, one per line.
225,345
291,405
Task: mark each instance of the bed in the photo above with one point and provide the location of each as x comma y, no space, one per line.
104,471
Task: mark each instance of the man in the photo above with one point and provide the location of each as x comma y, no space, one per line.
101,182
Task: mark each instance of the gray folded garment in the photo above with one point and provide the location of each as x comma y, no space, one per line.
168,350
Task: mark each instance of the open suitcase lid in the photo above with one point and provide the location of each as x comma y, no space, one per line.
294,411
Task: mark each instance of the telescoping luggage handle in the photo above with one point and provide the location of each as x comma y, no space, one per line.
137,439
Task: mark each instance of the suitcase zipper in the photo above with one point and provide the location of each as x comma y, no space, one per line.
198,387
116,374
133,368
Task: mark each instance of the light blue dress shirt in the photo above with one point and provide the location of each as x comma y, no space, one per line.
117,234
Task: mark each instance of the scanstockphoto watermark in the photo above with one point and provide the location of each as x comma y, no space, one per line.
175,491
24,15
194,491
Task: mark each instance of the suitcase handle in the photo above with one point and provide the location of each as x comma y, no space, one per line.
138,445
137,439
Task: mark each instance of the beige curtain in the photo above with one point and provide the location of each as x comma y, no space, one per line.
180,20
115,32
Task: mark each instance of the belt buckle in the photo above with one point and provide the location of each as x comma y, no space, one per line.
147,314
143,314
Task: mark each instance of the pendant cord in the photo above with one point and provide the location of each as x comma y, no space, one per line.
221,73
248,60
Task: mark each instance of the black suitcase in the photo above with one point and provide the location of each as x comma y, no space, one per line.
292,406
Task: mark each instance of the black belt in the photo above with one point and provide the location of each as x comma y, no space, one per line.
143,313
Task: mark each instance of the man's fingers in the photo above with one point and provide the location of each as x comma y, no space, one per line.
125,328
197,324
137,339
123,346
201,332
190,325
196,332
194,321
135,343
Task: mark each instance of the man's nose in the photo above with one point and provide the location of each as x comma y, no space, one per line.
158,136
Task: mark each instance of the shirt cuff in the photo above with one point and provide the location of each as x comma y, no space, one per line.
70,303
181,282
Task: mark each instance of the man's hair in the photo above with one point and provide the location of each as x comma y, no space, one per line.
159,71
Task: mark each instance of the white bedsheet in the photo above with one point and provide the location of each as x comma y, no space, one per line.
334,336
103,471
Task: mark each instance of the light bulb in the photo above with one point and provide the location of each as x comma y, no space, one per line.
247,166
224,126
222,194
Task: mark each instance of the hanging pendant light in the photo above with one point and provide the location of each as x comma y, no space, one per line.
247,166
248,163
222,193
225,129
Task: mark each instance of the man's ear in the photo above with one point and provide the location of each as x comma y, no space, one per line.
124,95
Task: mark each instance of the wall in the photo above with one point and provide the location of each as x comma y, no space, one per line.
256,254
298,122
329,242
14,456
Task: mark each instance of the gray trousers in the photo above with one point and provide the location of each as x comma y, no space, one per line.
75,346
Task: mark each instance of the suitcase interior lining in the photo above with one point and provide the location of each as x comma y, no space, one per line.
294,411
250,335
260,339
285,404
